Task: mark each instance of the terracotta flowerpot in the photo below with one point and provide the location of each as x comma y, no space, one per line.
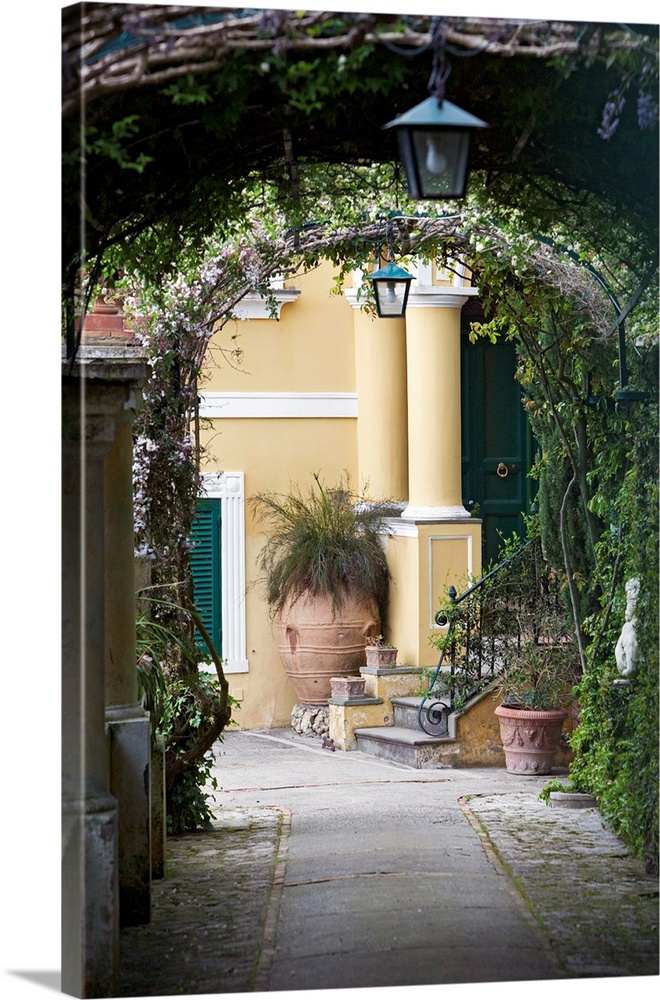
530,739
316,644
347,687
381,656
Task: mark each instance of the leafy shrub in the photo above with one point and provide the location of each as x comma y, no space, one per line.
189,708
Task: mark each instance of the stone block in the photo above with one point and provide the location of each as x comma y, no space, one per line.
344,719
391,682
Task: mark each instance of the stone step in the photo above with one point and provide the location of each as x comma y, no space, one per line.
405,712
406,716
402,746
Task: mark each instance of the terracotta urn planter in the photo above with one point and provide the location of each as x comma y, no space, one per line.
530,738
315,643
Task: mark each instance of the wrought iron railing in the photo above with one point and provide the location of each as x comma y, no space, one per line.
483,625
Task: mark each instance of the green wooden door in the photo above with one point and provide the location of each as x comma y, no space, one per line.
496,442
206,569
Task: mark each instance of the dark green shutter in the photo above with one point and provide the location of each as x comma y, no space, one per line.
205,565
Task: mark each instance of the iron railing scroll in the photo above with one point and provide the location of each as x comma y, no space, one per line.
481,651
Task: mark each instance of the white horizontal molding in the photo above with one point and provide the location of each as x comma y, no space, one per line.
264,405
435,514
439,297
401,529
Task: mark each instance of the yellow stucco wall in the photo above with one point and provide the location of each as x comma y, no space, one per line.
310,349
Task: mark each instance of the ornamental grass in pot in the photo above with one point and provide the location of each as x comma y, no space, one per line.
326,579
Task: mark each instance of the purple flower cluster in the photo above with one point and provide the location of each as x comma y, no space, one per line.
611,115
647,112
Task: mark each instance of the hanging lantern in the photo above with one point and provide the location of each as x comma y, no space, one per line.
391,288
434,148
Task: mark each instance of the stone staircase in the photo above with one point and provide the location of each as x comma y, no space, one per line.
405,742
383,722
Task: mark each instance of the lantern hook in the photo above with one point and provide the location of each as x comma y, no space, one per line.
441,67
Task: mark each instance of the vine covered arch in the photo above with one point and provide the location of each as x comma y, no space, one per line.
219,148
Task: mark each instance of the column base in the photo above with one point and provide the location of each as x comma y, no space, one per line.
90,925
437,514
158,813
130,781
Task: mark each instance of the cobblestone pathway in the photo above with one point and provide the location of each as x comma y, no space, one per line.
210,912
598,907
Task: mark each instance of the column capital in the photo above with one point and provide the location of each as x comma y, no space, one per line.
439,297
351,296
99,390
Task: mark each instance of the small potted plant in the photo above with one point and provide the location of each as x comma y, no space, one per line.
535,682
380,653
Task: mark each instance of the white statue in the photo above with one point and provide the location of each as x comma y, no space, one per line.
627,650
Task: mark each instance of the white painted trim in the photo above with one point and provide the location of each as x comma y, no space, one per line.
423,275
264,405
460,273
458,513
445,538
440,297
229,488
402,529
255,306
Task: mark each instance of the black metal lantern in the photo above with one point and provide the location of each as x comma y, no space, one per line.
391,288
434,146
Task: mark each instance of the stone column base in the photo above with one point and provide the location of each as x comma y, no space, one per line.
158,813
90,888
130,752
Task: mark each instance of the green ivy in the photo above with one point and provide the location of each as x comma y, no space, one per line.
616,742
187,802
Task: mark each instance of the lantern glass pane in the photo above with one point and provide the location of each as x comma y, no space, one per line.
390,297
441,156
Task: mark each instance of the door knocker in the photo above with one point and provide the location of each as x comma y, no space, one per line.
502,470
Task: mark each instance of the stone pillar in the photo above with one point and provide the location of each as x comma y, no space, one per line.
94,391
382,429
127,723
157,767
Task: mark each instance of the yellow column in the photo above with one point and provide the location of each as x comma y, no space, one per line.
433,325
382,427
436,543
